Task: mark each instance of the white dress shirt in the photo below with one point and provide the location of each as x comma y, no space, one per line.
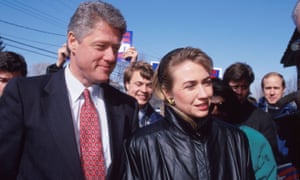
75,89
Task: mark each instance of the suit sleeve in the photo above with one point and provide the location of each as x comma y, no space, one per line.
11,131
52,68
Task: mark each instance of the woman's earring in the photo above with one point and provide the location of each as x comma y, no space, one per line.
171,101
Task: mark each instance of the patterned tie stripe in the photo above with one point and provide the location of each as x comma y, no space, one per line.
92,158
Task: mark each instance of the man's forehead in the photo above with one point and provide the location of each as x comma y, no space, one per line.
9,75
6,74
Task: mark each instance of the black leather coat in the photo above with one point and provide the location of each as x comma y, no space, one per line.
171,150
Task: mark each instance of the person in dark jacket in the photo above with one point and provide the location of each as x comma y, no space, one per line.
188,143
138,77
239,77
273,88
285,116
225,105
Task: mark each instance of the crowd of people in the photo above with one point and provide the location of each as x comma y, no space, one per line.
71,123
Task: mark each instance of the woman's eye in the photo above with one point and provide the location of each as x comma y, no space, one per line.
189,86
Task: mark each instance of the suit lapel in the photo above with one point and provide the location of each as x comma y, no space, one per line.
57,107
115,118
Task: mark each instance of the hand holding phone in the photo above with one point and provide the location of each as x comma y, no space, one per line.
62,55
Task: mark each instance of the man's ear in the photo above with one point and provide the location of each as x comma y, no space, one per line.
72,42
126,86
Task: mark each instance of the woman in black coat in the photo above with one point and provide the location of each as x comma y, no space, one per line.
188,143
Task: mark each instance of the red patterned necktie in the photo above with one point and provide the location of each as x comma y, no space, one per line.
92,158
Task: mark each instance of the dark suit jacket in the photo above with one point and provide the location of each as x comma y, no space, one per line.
37,139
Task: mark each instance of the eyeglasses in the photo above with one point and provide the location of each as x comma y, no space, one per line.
217,103
217,100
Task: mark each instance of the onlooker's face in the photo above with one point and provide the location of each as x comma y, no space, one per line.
273,89
139,88
192,89
93,58
241,89
4,78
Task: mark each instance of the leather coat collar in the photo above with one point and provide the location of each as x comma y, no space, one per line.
203,124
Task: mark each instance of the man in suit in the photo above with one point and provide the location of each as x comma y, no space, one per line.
40,129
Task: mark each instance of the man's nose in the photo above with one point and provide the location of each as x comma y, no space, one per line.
239,90
144,88
272,91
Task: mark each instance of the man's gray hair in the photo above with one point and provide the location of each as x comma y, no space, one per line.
88,14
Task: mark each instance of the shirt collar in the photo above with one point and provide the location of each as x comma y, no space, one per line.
75,87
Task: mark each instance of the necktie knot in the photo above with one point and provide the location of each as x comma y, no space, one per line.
86,95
